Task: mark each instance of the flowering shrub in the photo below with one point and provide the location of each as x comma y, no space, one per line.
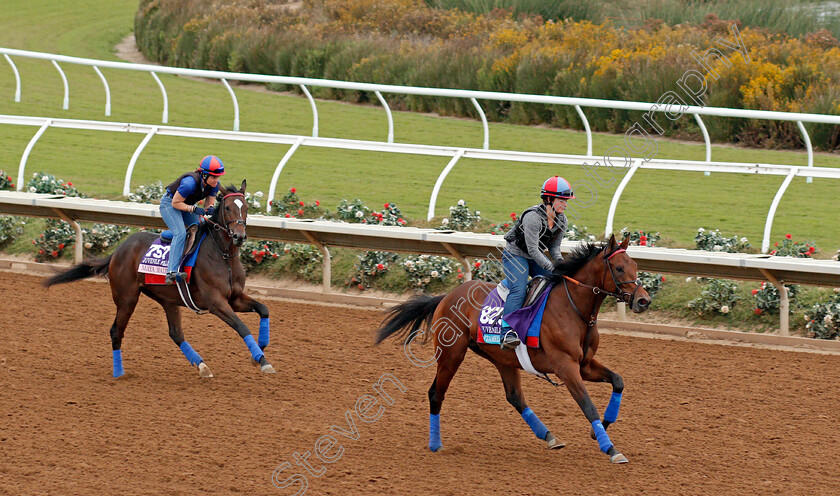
57,236
768,299
352,211
460,218
715,241
10,228
823,319
148,193
390,215
292,206
641,238
424,269
42,182
487,270
500,229
719,295
578,233
305,259
651,282
6,182
369,266
254,253
791,248
253,201
100,237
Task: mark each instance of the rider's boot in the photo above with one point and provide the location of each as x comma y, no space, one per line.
509,339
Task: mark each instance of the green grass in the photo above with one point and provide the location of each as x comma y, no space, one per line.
675,204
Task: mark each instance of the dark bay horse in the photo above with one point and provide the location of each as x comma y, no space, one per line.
568,336
217,282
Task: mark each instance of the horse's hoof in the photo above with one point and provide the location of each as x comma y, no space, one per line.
619,458
553,443
267,368
204,370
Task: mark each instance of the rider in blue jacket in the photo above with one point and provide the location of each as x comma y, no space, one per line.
179,210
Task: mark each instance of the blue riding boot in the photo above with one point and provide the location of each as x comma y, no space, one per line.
509,339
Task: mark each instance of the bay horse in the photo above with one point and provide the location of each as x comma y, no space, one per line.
568,336
217,282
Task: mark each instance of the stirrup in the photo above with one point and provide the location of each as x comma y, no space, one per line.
510,340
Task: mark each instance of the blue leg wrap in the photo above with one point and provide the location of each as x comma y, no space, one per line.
601,435
264,333
118,368
434,432
540,430
256,352
193,357
611,412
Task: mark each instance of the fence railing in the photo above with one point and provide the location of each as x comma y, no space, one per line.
455,153
459,245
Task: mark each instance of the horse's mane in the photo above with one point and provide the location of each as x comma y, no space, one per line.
575,260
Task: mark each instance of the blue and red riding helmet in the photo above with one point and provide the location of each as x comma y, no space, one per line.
212,165
557,187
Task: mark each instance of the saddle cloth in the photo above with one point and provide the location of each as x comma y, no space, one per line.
156,260
526,321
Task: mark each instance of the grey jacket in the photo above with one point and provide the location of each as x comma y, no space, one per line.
532,226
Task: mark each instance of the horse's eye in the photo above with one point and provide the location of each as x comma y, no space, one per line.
620,269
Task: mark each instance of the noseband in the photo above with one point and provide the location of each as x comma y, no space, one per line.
619,294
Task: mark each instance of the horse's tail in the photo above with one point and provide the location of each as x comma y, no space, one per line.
88,268
408,316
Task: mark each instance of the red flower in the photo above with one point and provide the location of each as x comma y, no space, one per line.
69,183
270,202
11,185
41,252
317,203
513,215
380,267
361,287
302,204
293,190
300,212
61,246
387,205
812,249
477,265
773,252
254,253
754,292
643,237
506,225
776,244
663,278
788,236
288,215
643,242
758,311
55,253
493,233
492,225
262,253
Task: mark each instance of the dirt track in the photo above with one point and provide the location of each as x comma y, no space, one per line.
696,418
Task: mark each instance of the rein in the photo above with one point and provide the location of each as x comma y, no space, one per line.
224,227
619,295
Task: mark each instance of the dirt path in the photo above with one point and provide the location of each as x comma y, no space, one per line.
696,418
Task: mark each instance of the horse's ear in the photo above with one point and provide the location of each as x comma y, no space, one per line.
626,242
242,189
611,244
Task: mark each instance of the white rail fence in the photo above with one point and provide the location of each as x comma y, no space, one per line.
459,245
455,153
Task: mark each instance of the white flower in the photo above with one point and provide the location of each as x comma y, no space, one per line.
571,233
88,245
460,203
827,319
451,209
807,317
359,214
701,230
724,309
444,222
717,248
32,189
837,290
258,194
434,273
477,213
744,240
688,279
409,264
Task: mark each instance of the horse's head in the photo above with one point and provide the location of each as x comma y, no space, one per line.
622,278
232,212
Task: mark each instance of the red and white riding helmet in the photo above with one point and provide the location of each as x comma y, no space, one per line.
557,187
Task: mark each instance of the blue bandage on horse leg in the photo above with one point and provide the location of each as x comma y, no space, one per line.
601,435
434,432
118,368
611,412
264,333
536,425
193,357
256,352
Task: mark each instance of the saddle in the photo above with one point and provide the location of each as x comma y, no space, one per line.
536,287
166,238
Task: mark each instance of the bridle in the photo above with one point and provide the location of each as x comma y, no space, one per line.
225,225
